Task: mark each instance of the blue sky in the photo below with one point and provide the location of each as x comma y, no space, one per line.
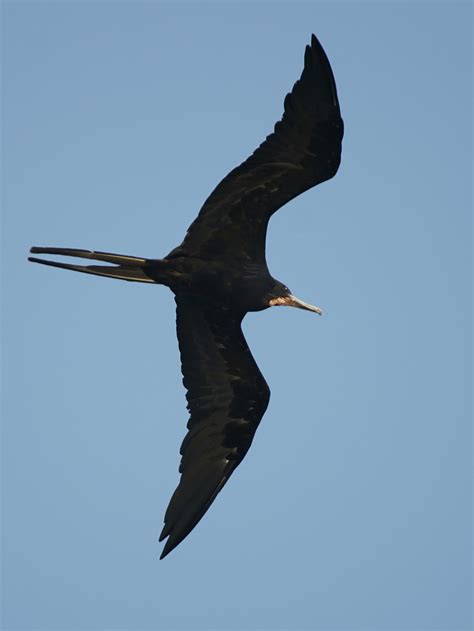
352,509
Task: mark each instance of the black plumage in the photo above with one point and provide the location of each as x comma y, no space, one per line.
218,274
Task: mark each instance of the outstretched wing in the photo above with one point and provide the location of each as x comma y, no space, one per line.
227,397
304,150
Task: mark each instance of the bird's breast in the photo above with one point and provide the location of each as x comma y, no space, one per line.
239,286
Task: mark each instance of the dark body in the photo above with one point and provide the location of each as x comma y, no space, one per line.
240,286
218,274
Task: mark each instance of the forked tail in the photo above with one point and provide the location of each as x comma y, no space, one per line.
123,267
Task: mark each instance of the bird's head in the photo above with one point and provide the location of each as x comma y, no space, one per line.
280,295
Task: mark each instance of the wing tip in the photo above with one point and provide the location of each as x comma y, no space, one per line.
165,532
315,43
167,549
174,539
316,60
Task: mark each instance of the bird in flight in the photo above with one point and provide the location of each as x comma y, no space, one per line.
218,274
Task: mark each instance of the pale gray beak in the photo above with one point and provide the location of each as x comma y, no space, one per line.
293,301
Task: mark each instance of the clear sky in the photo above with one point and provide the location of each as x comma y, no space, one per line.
352,508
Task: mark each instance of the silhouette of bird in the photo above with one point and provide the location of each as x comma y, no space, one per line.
218,274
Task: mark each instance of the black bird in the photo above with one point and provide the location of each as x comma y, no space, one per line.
218,274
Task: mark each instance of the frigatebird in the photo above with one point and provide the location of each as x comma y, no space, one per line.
218,274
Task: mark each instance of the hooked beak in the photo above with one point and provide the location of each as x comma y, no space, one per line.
293,301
